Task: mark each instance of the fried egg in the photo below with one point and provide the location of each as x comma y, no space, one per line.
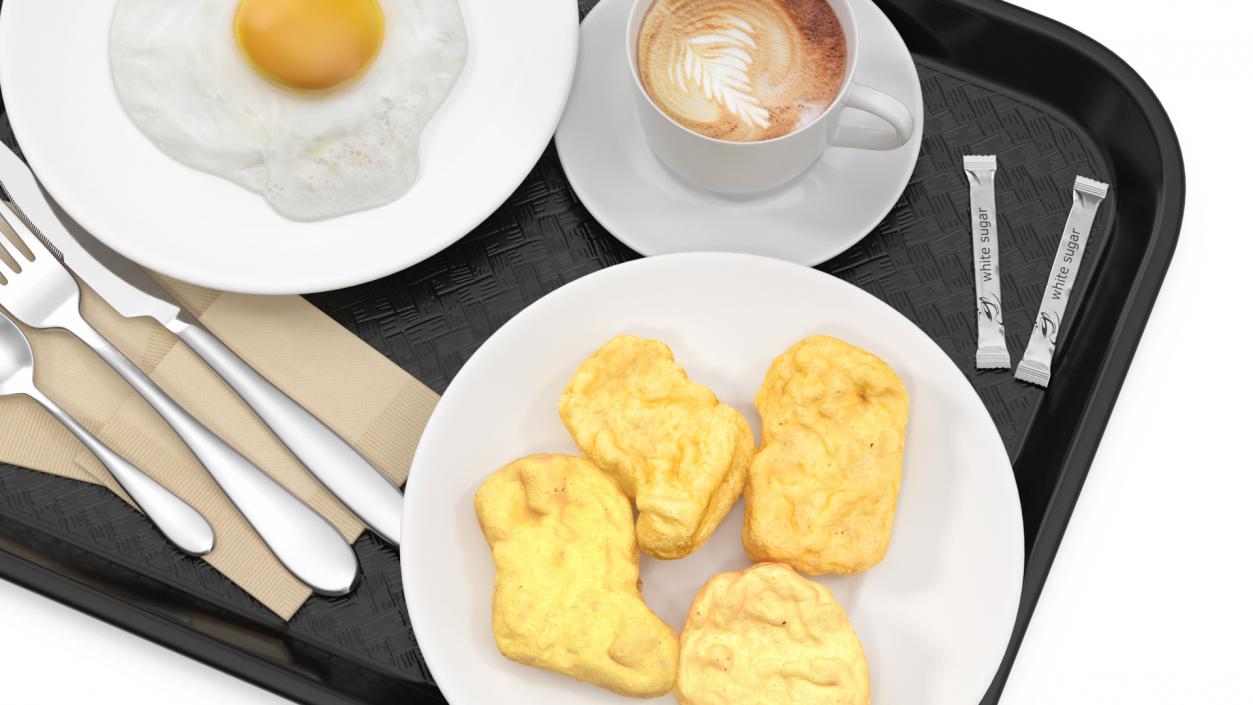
317,105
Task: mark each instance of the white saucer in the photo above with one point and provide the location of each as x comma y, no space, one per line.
829,209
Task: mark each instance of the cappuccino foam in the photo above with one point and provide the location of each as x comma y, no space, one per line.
742,70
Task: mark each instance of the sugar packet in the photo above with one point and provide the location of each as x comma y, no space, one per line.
991,352
1037,360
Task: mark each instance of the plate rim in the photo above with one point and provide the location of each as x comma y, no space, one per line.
327,279
613,225
409,568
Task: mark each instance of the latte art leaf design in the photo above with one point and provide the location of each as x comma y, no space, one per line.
716,62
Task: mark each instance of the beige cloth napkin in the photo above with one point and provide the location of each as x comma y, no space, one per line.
368,400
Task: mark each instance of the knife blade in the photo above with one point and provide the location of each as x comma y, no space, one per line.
124,284
133,292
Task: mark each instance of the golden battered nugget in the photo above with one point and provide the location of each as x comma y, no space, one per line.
567,577
822,490
765,636
677,451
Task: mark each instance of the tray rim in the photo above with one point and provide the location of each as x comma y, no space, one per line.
163,632
1112,370
1132,319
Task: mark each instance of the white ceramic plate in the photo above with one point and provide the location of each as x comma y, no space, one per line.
935,616
642,203
54,71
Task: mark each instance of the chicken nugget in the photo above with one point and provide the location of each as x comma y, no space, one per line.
567,577
677,451
822,490
766,635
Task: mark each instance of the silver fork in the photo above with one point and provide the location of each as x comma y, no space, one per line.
41,293
179,521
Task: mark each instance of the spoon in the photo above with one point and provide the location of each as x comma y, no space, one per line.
180,523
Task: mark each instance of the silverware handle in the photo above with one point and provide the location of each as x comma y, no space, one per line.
301,539
178,520
350,477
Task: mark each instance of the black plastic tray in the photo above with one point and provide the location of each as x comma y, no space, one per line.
1051,102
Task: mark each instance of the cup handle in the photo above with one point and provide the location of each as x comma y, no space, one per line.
882,106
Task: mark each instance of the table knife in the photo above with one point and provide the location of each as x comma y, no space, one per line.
133,292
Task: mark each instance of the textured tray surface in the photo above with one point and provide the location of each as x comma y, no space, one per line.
430,318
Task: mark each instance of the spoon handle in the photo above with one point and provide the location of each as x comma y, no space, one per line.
179,521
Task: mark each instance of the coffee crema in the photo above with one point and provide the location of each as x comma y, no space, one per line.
742,70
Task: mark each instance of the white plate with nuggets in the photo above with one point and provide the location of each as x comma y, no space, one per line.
115,182
934,617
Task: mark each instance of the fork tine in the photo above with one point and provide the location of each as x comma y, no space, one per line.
7,238
10,254
21,215
30,245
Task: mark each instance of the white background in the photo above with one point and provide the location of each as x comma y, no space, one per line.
1150,598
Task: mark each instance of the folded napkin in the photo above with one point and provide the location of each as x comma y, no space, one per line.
373,404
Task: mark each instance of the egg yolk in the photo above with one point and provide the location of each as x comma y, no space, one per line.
310,45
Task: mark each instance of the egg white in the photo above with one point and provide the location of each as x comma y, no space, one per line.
187,85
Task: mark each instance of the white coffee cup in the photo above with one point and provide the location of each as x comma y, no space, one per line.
742,168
